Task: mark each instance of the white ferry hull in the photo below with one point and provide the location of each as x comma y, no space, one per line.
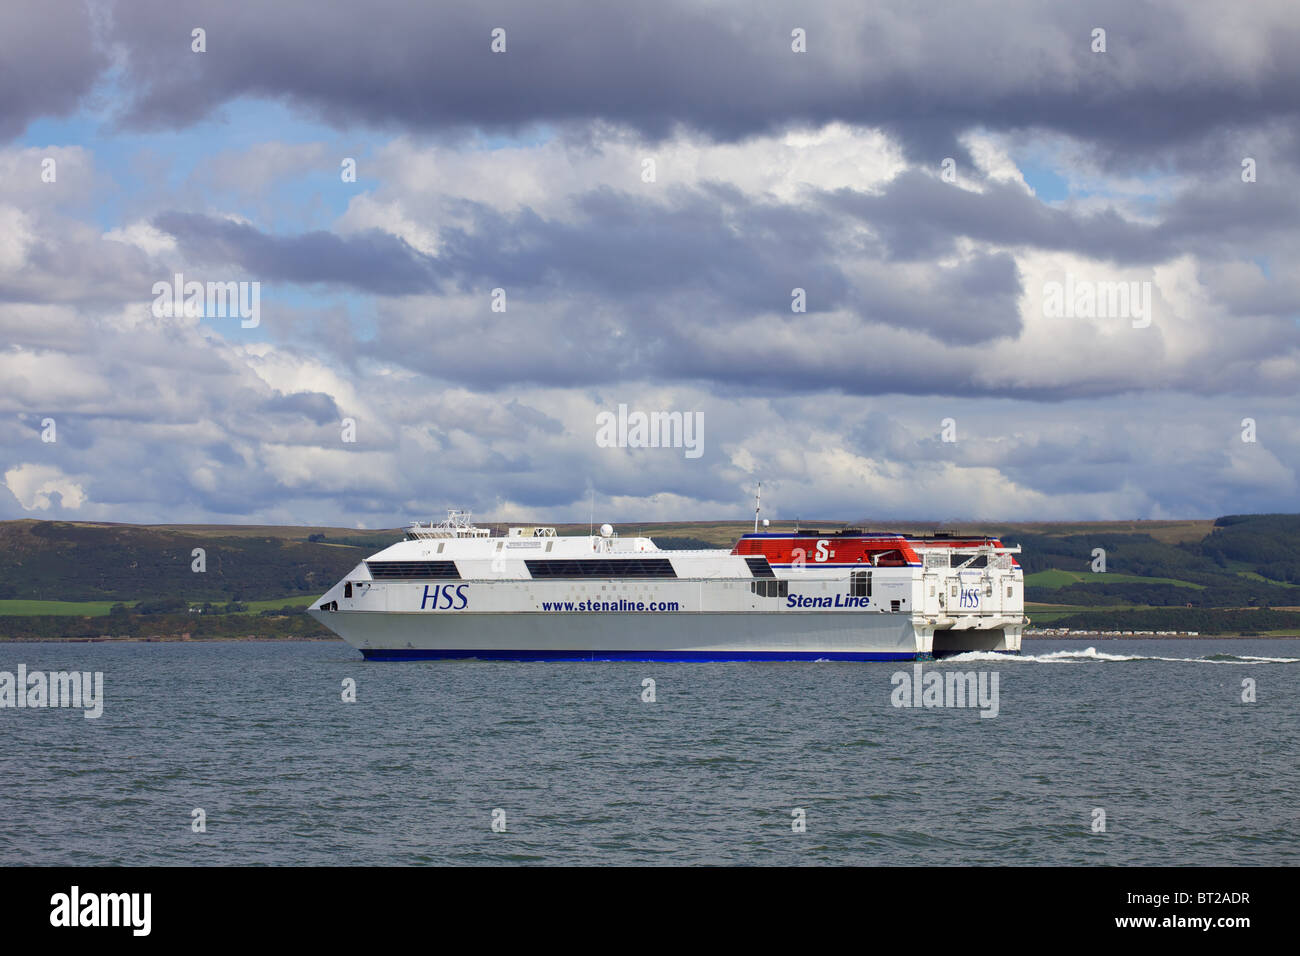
830,636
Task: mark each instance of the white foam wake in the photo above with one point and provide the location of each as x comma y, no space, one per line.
1092,654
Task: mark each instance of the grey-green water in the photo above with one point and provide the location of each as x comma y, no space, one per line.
259,738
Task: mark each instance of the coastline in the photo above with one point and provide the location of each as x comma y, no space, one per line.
187,639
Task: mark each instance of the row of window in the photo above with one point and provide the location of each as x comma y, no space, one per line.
602,568
771,587
575,568
408,570
860,582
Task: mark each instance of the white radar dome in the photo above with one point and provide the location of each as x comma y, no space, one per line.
606,530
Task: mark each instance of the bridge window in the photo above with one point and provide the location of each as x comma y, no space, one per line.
893,558
770,587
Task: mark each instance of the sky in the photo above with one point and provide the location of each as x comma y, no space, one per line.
951,261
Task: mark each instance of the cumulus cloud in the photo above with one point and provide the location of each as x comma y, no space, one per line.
35,486
651,192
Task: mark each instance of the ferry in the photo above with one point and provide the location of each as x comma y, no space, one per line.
455,590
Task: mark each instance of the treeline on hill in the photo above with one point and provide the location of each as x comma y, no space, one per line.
162,626
1235,592
56,561
1268,543
1240,545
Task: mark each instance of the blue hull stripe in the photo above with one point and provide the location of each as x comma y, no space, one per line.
438,654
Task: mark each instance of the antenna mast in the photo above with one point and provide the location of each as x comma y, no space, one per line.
758,497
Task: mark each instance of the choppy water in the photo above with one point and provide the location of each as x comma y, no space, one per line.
1155,733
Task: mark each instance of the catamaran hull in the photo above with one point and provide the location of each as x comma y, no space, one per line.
834,636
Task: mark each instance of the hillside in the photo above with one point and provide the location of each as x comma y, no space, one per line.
63,561
1236,573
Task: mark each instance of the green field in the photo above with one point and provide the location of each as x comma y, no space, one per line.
56,608
1255,576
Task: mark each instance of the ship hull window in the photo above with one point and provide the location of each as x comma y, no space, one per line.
411,570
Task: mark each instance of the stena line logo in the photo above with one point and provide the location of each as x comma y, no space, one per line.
839,600
444,597
74,909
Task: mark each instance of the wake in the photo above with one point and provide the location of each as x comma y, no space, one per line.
1092,655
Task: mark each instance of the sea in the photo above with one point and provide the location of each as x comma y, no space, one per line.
1134,752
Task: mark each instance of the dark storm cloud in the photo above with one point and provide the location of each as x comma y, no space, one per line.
1177,79
49,59
920,217
1172,72
373,261
715,239
971,302
1223,219
314,406
617,246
